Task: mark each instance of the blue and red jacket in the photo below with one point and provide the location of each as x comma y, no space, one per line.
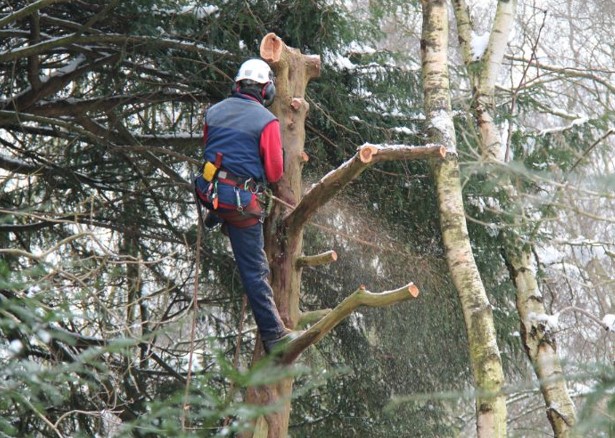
248,137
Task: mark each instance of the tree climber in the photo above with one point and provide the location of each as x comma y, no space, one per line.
243,152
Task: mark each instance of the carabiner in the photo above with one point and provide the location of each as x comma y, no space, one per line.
238,200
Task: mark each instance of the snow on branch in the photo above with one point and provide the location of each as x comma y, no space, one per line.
576,122
551,322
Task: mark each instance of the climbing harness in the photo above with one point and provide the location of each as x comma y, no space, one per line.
241,212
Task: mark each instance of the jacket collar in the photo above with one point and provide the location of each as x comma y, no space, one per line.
249,95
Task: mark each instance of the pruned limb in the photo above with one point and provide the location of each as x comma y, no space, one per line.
336,180
373,153
317,260
307,318
360,297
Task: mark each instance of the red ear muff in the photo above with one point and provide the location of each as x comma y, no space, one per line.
268,93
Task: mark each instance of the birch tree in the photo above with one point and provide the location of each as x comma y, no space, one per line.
539,343
484,352
537,333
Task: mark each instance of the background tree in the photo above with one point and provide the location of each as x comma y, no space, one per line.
484,352
538,343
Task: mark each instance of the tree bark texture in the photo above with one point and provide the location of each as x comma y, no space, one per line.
538,343
284,229
484,68
484,353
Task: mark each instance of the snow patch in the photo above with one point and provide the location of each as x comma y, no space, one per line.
609,322
404,130
549,255
479,45
580,121
200,11
15,347
338,61
356,47
550,322
443,122
68,68
44,336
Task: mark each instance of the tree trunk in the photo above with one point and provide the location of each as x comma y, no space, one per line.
284,246
538,342
540,345
284,226
484,353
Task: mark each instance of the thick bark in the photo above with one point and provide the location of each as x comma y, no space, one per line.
538,342
484,353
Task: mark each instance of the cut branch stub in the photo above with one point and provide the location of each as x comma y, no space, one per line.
317,260
367,152
296,103
271,48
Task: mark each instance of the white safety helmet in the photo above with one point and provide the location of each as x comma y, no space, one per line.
255,70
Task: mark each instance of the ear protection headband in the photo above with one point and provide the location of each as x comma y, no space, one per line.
268,93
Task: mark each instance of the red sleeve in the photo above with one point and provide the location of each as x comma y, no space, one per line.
271,151
204,133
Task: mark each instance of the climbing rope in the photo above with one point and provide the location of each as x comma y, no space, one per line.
195,307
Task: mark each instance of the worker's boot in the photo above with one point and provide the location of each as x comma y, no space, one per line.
277,346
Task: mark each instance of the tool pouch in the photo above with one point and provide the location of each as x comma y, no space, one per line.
209,171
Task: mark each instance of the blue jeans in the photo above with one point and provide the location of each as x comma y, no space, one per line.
248,249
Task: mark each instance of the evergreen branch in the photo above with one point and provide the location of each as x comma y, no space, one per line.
28,10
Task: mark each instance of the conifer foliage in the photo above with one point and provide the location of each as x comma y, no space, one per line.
100,129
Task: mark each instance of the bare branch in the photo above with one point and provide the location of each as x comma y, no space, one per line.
360,297
336,180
